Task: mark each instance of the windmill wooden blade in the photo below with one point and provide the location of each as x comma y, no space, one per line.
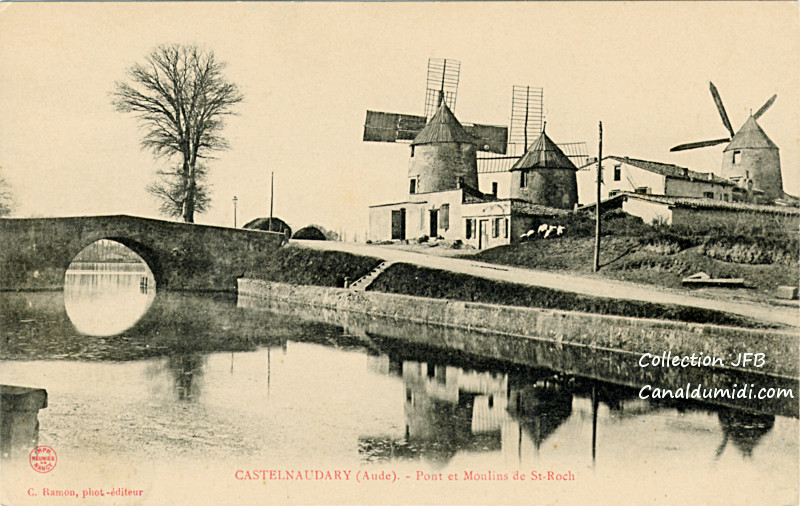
443,76
701,144
527,115
764,107
720,108
491,138
391,127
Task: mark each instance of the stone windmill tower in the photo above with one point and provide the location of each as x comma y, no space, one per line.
545,175
443,150
443,155
750,159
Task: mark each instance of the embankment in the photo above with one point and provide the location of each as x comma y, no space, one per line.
635,335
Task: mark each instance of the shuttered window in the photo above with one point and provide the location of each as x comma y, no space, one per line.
444,218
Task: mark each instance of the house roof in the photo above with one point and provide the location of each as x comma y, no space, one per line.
543,154
525,207
669,170
470,195
442,127
751,136
702,203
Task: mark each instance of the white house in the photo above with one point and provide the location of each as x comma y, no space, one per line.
623,174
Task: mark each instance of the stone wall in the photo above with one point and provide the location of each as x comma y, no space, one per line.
438,167
637,335
182,256
548,187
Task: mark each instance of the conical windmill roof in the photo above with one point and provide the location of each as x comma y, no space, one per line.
751,136
544,154
443,127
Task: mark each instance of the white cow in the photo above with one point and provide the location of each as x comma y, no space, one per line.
550,231
560,230
542,228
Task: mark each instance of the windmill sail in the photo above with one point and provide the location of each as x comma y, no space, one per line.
721,108
391,127
442,81
700,144
577,152
527,115
764,107
489,138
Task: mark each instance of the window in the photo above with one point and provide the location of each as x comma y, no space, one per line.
412,151
468,231
708,195
494,189
737,157
412,187
725,197
505,228
496,227
643,190
618,173
444,218
523,179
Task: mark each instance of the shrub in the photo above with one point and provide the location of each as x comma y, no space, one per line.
278,225
309,233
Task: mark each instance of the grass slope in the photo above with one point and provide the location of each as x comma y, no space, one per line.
661,255
420,281
302,266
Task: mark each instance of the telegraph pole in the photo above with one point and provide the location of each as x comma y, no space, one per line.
597,203
235,200
271,194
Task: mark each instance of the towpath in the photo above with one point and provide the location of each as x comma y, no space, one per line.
576,283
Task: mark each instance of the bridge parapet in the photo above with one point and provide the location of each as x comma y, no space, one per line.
36,252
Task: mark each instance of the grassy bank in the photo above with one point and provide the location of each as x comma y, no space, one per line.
302,266
766,256
412,280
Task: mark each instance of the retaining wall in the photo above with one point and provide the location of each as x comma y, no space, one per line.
637,335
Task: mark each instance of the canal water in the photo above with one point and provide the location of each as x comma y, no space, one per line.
179,394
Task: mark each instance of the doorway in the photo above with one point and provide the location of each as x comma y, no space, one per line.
399,224
483,233
434,229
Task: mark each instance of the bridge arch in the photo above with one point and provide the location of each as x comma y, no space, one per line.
147,253
182,256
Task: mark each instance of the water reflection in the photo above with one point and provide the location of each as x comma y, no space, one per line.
745,429
187,369
105,299
200,378
480,406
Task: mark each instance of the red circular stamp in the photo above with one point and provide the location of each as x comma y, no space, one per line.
43,459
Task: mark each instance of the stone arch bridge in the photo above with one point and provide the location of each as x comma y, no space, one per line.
35,252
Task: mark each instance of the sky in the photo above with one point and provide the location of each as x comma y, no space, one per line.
310,71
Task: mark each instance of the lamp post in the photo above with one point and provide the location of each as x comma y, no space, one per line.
235,200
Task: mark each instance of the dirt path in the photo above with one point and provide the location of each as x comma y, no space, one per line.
568,282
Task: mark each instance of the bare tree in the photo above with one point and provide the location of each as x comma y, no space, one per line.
6,198
180,97
171,188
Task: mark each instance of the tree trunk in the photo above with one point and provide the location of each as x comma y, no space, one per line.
188,202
